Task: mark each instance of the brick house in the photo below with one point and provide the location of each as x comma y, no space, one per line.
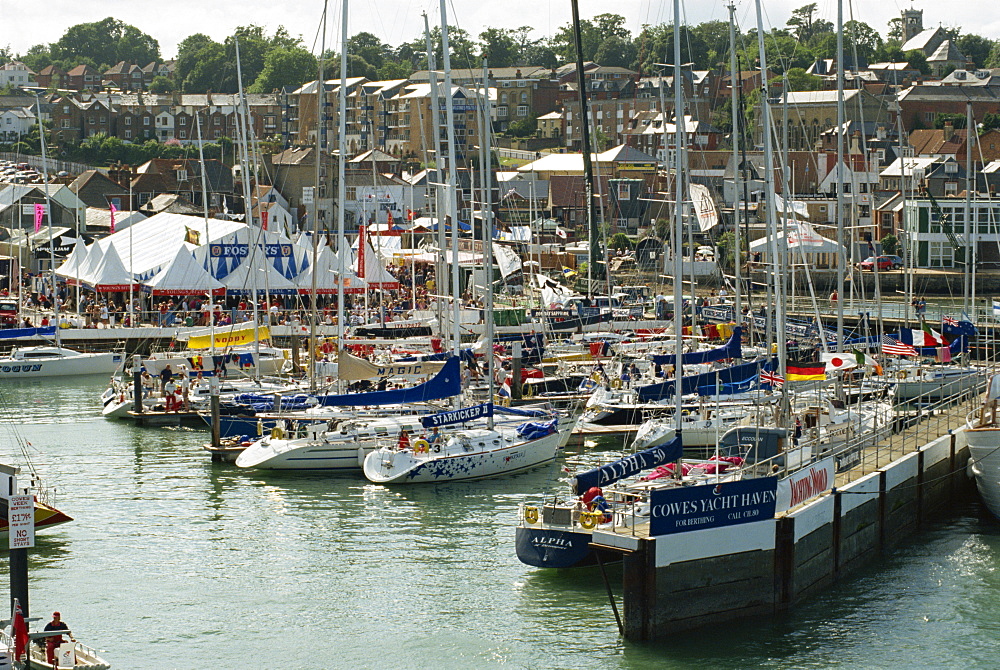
83,78
51,77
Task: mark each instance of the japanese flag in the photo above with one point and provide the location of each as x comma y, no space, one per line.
840,361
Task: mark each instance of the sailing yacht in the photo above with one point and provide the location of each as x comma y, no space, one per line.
983,438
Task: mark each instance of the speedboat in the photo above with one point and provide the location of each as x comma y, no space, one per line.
49,361
72,654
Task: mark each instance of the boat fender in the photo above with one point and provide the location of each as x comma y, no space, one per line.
685,412
531,515
421,446
901,374
616,383
277,433
588,520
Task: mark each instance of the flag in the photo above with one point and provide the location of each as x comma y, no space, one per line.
389,221
113,210
361,252
944,354
996,309
561,233
863,360
20,632
839,361
39,213
568,272
263,220
505,391
772,378
925,336
948,321
805,371
409,215
704,206
893,346
191,236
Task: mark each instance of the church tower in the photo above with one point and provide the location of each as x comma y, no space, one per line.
913,23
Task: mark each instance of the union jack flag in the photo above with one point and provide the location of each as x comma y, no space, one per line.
948,321
772,378
893,346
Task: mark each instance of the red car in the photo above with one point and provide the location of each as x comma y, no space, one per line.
884,263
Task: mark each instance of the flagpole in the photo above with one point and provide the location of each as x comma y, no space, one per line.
48,215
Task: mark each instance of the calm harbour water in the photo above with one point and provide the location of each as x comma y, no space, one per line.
174,562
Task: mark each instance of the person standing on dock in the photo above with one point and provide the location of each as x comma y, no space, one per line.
166,375
834,299
52,642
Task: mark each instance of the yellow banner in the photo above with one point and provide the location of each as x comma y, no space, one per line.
230,338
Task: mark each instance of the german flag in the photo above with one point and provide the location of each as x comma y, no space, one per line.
805,371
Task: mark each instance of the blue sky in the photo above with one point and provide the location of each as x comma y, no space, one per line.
394,21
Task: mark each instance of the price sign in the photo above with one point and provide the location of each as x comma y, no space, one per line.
22,522
307,195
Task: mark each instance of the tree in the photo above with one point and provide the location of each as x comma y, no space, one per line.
161,85
890,245
523,127
106,42
956,120
862,38
205,70
621,241
896,30
991,121
802,22
800,80
616,52
463,49
976,48
499,47
370,48
564,42
918,61
285,66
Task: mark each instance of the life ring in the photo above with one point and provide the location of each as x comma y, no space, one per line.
616,383
531,515
277,433
588,520
421,446
685,412
901,374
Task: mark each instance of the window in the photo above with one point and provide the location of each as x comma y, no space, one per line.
502,112
128,133
65,123
145,120
128,120
183,134
218,122
623,191
182,120
940,255
91,120
951,187
524,98
104,119
503,98
522,110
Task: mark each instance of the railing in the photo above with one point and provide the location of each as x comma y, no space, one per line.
51,164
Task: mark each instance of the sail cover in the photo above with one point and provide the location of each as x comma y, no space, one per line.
731,349
447,383
690,384
630,465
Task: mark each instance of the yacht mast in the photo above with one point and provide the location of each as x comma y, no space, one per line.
734,77
318,153
588,167
452,188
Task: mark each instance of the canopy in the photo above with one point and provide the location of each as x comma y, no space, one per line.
88,266
250,276
370,266
328,274
110,274
71,266
184,276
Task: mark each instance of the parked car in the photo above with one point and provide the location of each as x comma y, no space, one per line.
884,263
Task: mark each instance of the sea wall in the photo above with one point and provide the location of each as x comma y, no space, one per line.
687,580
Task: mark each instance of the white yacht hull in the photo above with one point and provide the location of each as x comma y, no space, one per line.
929,390
388,466
28,364
984,464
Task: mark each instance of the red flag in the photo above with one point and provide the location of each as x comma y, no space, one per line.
20,631
409,215
263,220
390,221
113,210
361,252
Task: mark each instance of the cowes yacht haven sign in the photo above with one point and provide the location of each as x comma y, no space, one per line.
682,509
